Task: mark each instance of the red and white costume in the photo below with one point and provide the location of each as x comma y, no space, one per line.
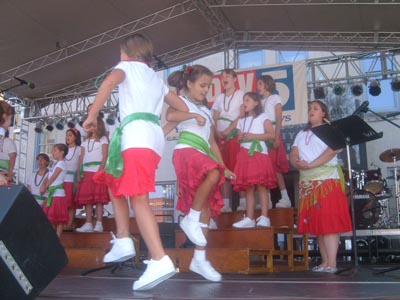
72,164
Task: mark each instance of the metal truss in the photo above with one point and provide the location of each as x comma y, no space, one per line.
98,40
238,3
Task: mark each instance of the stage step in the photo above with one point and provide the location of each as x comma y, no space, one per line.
85,257
109,224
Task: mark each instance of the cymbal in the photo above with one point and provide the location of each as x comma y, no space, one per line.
390,155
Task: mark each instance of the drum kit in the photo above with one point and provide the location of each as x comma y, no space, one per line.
371,195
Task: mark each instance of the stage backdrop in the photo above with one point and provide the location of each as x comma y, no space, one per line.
291,84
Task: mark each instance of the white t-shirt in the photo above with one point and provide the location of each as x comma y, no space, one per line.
72,162
34,182
93,152
269,106
141,91
253,125
192,126
310,147
7,146
228,107
60,178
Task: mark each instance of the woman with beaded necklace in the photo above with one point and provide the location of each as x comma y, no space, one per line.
36,180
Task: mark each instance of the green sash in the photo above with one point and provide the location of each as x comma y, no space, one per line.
322,171
38,197
255,146
114,164
88,164
195,141
233,132
52,190
4,164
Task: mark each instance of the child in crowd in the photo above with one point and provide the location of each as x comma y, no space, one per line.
198,164
55,206
226,113
94,151
8,149
135,151
73,141
272,103
36,180
323,208
254,170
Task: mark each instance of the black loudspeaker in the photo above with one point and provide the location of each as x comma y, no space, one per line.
31,254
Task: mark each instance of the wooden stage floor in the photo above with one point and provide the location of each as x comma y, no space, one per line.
360,283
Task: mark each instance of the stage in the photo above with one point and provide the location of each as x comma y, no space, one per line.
104,285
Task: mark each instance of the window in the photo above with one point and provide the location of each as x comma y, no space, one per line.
248,59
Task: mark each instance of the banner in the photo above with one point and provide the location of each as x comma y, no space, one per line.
291,83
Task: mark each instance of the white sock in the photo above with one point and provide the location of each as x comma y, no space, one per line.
242,202
199,255
284,194
227,202
194,215
98,222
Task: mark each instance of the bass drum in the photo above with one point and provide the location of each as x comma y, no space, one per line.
367,209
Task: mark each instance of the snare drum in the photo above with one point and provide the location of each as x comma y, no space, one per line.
367,209
373,181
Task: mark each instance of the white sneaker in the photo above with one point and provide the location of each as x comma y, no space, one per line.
226,209
87,227
263,221
245,223
193,231
156,272
283,203
205,269
122,250
212,224
98,227
241,208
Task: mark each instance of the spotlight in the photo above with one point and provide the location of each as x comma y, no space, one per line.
71,123
395,84
338,90
374,88
111,117
61,123
39,126
319,93
357,90
50,124
82,120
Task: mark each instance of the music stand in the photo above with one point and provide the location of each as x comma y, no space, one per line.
344,133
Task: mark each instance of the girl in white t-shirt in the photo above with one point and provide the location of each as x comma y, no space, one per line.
89,193
254,170
272,103
73,141
37,178
55,206
6,115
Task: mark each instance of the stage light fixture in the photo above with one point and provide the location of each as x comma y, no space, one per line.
39,126
61,123
395,84
375,88
338,89
71,123
82,120
319,93
110,120
357,90
49,124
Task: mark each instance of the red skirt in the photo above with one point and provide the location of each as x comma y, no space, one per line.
90,192
138,174
279,158
69,194
57,212
323,208
253,170
229,151
191,167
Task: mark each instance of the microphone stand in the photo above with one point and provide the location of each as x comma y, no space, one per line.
383,118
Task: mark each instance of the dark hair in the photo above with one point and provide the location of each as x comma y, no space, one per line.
44,156
63,148
324,109
229,72
269,83
258,110
179,79
138,47
100,130
7,109
77,134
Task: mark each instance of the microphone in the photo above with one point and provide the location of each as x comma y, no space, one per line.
21,81
393,114
362,108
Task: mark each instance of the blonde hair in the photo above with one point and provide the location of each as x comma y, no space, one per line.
138,47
